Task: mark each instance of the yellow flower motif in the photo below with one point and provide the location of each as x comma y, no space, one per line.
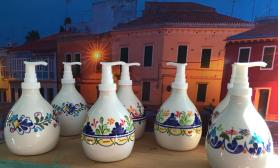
190,113
110,121
166,113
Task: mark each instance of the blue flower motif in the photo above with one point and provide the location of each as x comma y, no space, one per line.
118,130
21,125
171,120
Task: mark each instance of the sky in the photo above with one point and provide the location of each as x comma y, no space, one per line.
17,17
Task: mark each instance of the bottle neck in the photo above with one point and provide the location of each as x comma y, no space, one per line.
31,92
240,99
68,86
106,94
182,92
125,88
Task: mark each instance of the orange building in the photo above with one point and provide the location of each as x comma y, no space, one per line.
90,49
178,32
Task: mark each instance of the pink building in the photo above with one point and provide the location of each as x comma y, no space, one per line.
178,32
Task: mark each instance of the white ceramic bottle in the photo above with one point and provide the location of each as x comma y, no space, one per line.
69,105
31,126
108,133
178,125
130,101
221,106
239,137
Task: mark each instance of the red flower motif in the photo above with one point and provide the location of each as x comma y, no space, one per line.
94,123
231,132
178,114
122,122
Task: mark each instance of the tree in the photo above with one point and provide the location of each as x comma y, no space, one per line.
67,23
31,36
61,29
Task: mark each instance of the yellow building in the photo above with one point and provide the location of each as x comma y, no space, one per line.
4,78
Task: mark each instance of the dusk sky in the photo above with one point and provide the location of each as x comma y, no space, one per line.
20,16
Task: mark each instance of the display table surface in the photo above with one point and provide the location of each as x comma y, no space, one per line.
146,153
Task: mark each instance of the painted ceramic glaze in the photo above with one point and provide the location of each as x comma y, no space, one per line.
130,101
108,133
71,109
178,124
31,127
69,105
134,107
239,136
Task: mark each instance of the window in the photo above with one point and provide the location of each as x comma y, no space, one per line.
148,56
76,69
205,58
268,56
146,91
244,54
182,54
68,58
124,54
50,94
201,92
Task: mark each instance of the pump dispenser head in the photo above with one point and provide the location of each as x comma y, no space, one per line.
107,81
229,85
240,84
180,79
30,79
125,76
67,74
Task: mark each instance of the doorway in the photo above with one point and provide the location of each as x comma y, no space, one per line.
262,100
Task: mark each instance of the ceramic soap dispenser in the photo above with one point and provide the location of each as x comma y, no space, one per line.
178,124
130,101
239,137
108,133
31,127
69,105
221,106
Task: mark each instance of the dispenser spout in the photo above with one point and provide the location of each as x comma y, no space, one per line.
240,84
180,79
30,79
67,74
125,76
107,81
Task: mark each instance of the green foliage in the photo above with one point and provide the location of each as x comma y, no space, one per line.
224,135
129,123
102,128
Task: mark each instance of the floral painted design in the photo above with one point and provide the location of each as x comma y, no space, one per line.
136,113
23,124
70,109
178,123
236,141
95,131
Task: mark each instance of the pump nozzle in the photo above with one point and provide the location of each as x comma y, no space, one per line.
67,74
107,82
125,76
240,84
30,79
180,79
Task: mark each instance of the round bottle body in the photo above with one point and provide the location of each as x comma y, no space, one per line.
108,133
134,107
178,124
31,127
239,137
71,109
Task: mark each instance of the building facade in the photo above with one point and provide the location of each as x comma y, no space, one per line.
177,32
258,44
90,50
44,49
